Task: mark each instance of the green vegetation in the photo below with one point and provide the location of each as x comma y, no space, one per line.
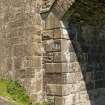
15,93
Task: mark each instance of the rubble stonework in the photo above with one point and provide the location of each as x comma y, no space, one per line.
55,49
20,36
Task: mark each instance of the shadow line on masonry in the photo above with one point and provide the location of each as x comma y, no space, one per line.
88,40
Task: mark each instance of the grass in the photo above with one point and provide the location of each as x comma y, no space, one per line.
13,92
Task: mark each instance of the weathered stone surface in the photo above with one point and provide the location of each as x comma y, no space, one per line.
58,101
58,68
81,48
48,57
57,33
60,57
64,100
4,101
20,36
53,68
53,45
53,89
46,5
71,69
64,78
51,99
48,34
60,7
52,22
68,89
25,73
34,62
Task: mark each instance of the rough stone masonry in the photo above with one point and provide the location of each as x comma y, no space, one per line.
20,44
55,48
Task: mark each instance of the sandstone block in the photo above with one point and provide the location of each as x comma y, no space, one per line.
48,58
67,89
38,85
18,63
80,86
67,45
60,57
52,21
73,57
70,78
58,67
25,73
54,78
53,67
65,100
65,34
51,99
57,33
34,61
63,78
84,97
59,101
54,89
53,45
20,50
79,76
47,35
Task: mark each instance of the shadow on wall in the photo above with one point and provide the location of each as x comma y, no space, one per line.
89,45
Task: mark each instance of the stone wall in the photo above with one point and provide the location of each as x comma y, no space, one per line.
64,82
61,57
54,59
74,53
20,44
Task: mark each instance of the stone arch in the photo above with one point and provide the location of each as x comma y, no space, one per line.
69,80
